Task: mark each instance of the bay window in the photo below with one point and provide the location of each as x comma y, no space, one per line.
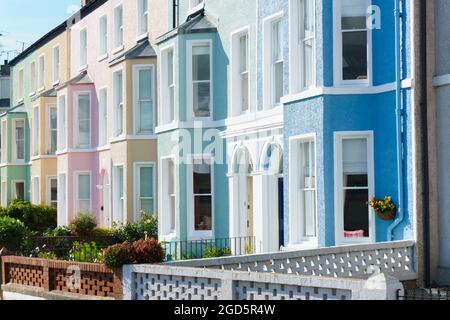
144,189
168,203
53,121
354,187
83,199
143,99
62,200
202,198
53,192
200,87
83,121
118,114
18,191
353,41
19,140
119,194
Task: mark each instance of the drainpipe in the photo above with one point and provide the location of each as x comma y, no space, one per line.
399,118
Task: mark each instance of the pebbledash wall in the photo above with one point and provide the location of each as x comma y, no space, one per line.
330,108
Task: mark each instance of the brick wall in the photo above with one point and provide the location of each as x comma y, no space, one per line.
63,276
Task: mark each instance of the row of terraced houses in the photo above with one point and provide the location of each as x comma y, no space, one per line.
276,120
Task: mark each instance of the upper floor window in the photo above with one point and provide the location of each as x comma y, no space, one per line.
142,17
53,122
19,140
33,78
83,48
56,64
118,108
143,99
41,84
240,79
273,58
200,75
168,87
118,27
4,158
5,88
353,42
36,130
103,117
83,121
21,85
103,36
62,137
303,57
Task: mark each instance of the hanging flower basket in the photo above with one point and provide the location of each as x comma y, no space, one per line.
385,209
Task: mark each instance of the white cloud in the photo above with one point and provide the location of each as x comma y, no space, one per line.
73,8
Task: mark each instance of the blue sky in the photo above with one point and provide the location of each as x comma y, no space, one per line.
28,20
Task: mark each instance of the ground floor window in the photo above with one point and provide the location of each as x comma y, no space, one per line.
119,196
35,192
354,187
53,192
144,174
62,203
168,203
303,193
3,193
202,197
84,193
18,190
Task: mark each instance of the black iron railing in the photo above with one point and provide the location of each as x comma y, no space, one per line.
438,294
209,248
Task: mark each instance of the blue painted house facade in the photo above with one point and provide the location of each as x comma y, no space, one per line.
341,120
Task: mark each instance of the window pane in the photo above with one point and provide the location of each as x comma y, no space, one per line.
170,68
146,182
244,91
146,116
243,53
202,99
356,213
84,121
147,206
308,62
203,213
54,129
353,14
84,190
202,178
277,42
145,84
200,63
310,213
354,55
354,152
20,190
278,81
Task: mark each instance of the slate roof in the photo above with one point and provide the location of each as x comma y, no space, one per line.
82,78
142,49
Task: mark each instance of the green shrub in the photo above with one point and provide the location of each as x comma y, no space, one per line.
103,232
38,219
83,225
58,232
147,251
146,227
47,255
86,252
215,252
12,232
118,255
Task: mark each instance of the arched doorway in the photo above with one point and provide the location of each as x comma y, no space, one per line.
273,188
241,197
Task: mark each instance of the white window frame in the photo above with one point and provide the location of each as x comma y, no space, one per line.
337,35
140,33
296,61
165,202
33,78
268,73
49,191
296,216
41,77
77,175
4,128
62,123
190,83
166,117
84,49
76,118
338,186
13,191
21,88
49,129
118,29
136,86
137,179
236,78
118,107
103,117
36,131
192,233
56,64
103,37
14,144
115,190
62,199
36,196
4,193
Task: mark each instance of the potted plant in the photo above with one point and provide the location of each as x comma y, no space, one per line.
384,208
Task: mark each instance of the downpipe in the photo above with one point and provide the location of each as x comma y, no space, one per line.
399,118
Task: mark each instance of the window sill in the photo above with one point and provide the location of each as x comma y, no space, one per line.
20,101
41,89
32,94
83,68
142,37
117,139
118,49
103,57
